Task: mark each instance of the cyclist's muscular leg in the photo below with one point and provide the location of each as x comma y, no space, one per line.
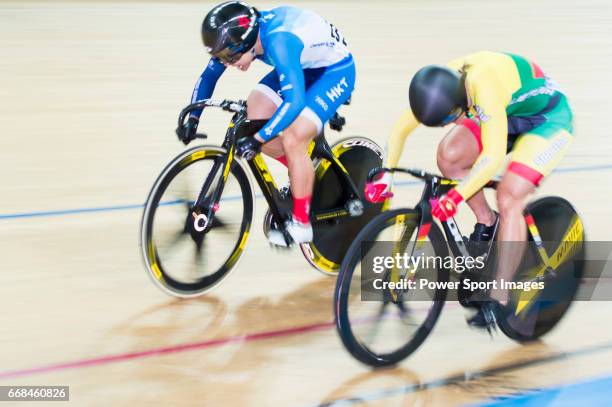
295,141
261,107
512,194
457,152
533,158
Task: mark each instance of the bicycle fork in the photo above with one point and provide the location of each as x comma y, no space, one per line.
205,206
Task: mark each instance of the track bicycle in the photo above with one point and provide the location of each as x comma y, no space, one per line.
198,216
384,330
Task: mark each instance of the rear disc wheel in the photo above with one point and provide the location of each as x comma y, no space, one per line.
332,238
535,313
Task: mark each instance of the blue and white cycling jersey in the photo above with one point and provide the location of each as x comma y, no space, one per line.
295,42
321,43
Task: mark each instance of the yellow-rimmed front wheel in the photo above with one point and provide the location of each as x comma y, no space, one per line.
391,287
187,249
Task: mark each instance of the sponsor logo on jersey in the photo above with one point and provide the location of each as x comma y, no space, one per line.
321,103
551,152
323,44
337,90
270,129
543,90
481,114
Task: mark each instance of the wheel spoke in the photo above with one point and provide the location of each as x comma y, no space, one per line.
384,333
189,259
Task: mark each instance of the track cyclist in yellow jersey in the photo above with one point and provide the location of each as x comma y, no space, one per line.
500,104
313,75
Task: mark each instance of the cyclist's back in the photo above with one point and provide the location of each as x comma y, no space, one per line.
312,30
520,84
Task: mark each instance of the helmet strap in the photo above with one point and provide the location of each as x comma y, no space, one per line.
463,96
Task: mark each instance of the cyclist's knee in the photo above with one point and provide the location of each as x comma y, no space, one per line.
260,106
447,157
297,137
292,143
510,200
457,150
450,157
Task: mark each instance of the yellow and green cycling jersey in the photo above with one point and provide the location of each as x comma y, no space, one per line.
511,102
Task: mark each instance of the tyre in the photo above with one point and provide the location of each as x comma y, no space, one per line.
332,238
382,327
181,260
535,313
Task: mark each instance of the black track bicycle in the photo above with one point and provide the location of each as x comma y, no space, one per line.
198,215
381,324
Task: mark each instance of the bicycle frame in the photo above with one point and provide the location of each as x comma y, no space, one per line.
239,127
529,314
435,187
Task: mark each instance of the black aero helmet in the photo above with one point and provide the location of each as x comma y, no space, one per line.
230,29
437,95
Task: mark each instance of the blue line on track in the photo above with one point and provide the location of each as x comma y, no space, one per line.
37,214
594,392
474,376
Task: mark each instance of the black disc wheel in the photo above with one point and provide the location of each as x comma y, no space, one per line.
533,313
332,238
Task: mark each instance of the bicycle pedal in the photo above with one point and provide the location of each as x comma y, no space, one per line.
490,321
279,248
280,241
492,329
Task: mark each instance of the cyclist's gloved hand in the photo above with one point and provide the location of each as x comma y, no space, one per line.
379,189
247,147
446,206
187,132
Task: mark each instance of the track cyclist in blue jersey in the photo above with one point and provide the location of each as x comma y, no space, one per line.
313,75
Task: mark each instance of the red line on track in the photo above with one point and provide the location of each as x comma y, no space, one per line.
122,357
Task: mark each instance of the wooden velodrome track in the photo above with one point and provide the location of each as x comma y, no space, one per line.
89,94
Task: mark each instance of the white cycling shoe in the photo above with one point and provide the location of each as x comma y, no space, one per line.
299,232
